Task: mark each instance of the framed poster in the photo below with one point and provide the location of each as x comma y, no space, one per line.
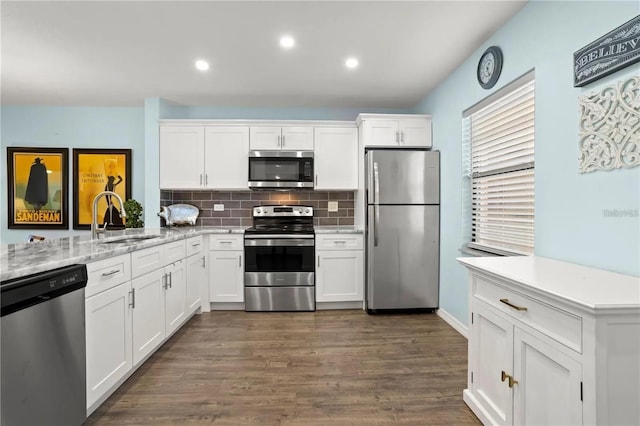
38,181
95,171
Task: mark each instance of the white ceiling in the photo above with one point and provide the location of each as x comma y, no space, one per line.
107,53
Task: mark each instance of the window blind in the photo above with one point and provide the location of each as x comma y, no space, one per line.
501,169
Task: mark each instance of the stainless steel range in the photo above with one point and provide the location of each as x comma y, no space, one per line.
280,260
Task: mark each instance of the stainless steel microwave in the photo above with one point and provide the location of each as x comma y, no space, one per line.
281,170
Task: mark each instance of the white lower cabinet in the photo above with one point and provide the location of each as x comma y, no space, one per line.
148,317
339,268
108,334
195,278
175,296
134,302
226,268
548,346
226,276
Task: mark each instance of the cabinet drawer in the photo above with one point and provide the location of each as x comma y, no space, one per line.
338,241
194,245
107,273
147,260
174,251
560,325
226,242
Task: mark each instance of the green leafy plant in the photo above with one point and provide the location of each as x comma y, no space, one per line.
133,209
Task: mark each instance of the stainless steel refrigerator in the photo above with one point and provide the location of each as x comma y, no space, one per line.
403,229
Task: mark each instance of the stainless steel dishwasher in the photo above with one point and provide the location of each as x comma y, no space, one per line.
43,348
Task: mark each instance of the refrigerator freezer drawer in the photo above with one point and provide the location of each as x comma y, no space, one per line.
403,257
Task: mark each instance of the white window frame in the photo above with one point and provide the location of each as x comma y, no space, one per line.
499,167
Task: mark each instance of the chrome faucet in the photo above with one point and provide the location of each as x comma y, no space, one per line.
95,229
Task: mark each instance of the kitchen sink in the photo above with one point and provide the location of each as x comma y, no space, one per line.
128,239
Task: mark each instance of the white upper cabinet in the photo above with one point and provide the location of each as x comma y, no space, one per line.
336,158
181,157
290,138
226,153
204,157
394,130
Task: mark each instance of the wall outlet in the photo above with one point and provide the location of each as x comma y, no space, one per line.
218,207
332,206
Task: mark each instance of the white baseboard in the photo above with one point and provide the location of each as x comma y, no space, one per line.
453,322
320,306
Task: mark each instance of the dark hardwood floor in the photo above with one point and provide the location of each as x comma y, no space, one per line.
321,368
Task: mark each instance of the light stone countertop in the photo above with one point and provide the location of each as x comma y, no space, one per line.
17,260
582,286
339,229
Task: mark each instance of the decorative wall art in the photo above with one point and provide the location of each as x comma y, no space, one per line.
94,171
610,127
613,51
37,188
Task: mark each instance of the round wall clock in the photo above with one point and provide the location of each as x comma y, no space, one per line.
489,67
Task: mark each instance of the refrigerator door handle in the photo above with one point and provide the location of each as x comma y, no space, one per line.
376,210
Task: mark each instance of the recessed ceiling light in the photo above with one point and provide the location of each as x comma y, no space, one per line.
351,63
287,42
202,65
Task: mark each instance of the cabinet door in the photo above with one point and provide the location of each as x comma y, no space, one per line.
226,276
491,352
415,133
226,157
195,266
297,138
336,158
108,334
339,276
175,294
548,388
181,162
381,133
148,314
264,138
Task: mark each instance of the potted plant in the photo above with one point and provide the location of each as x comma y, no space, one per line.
133,210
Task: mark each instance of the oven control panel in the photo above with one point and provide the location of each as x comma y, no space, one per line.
275,211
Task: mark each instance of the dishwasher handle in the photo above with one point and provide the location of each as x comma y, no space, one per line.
22,292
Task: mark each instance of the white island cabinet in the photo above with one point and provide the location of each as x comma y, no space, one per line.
552,343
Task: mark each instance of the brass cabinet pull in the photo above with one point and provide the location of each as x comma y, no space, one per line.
516,307
504,376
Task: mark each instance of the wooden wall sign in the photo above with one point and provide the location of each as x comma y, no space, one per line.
611,52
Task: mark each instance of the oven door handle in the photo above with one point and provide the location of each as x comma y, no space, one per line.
280,242
279,236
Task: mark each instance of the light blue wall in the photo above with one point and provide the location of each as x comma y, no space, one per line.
570,222
279,113
69,127
135,128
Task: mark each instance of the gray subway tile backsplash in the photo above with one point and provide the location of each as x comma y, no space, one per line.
238,205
